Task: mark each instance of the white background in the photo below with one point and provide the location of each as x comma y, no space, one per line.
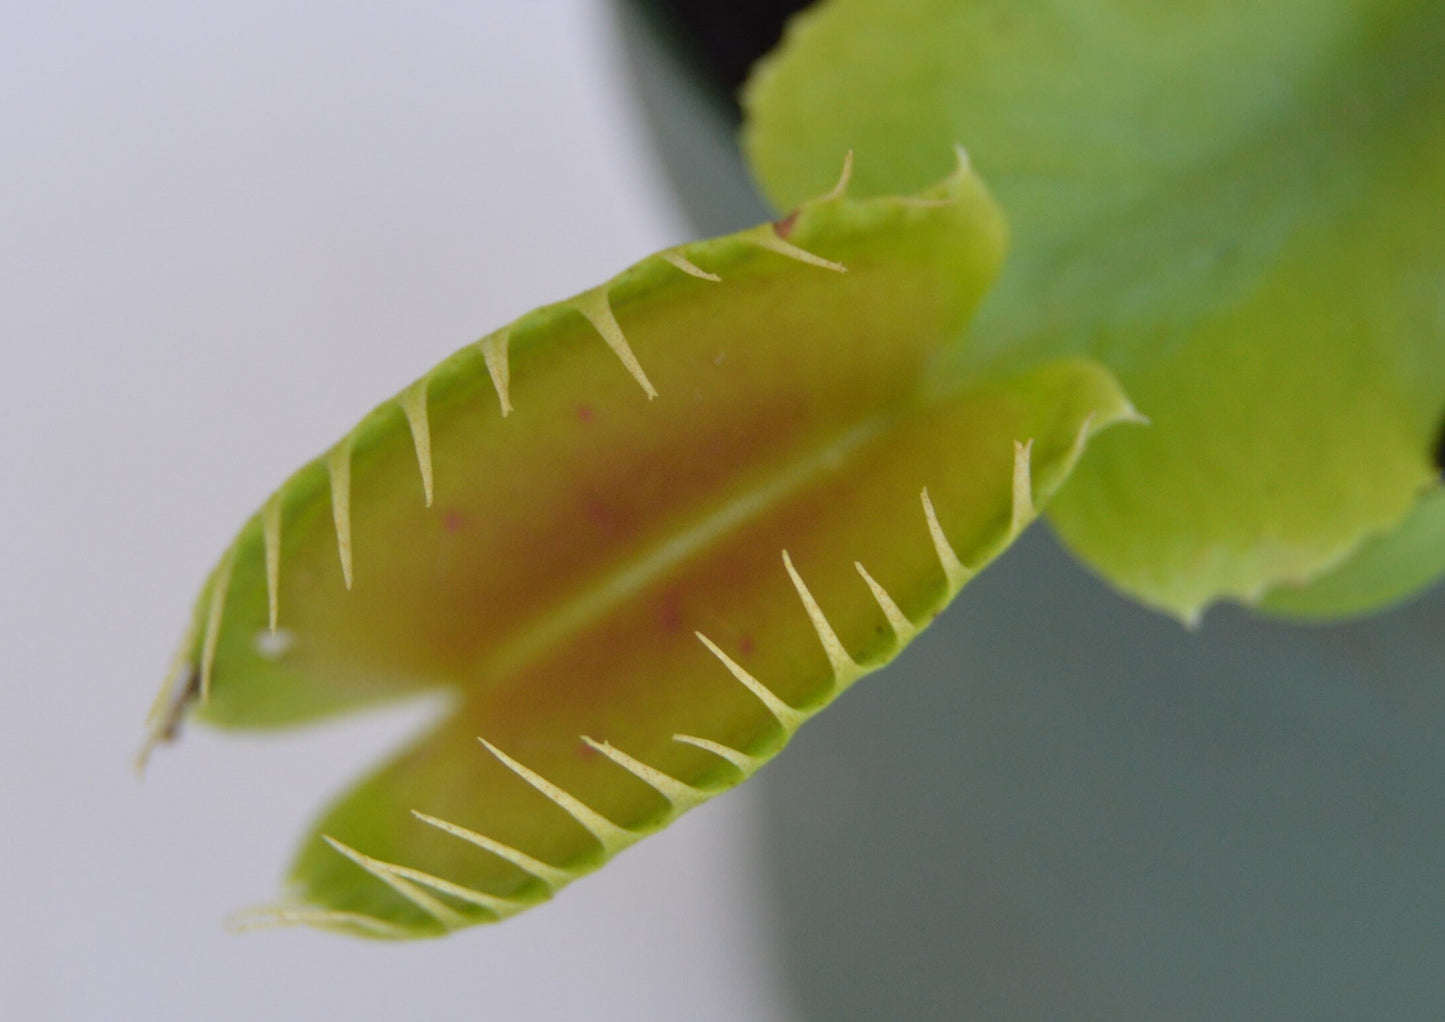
226,231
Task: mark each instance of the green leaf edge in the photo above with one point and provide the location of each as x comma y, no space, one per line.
1384,571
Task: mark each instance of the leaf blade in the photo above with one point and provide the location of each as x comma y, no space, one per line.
1225,203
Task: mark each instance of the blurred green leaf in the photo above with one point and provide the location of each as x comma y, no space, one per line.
1238,207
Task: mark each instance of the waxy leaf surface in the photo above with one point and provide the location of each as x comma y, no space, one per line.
1238,207
641,579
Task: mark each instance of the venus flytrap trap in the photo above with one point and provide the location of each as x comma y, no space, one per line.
642,535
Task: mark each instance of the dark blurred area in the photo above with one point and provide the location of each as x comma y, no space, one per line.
720,39
1058,804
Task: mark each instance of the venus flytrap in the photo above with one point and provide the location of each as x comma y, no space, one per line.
642,535
645,534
